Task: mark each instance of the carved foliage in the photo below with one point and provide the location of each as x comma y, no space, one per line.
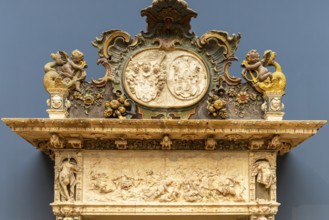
234,102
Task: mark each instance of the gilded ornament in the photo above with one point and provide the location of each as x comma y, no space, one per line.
117,108
217,107
255,71
65,73
231,93
88,100
242,97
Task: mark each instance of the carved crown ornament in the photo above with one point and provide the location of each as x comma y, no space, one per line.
167,130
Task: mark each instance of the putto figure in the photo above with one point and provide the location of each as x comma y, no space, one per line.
65,73
255,71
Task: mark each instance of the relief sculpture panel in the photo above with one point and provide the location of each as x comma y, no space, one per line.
163,177
166,79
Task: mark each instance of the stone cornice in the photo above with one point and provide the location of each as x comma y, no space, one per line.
259,134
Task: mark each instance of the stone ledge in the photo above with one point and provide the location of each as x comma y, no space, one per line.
281,136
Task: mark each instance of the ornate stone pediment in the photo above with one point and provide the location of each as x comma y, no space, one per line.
167,130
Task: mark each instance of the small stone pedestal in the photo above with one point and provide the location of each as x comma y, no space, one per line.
273,106
58,103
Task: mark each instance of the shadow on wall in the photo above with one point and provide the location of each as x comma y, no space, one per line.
304,193
26,182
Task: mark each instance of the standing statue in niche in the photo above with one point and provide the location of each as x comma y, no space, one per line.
66,178
265,175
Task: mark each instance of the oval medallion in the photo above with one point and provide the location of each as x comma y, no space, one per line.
166,79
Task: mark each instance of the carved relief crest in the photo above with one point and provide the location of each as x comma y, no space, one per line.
172,79
146,78
187,77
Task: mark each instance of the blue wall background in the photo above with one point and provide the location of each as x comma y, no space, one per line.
30,30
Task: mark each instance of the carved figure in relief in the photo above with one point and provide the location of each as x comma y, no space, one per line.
232,187
166,143
175,185
56,142
52,78
67,179
56,102
64,73
210,144
276,104
255,71
101,184
73,71
264,174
